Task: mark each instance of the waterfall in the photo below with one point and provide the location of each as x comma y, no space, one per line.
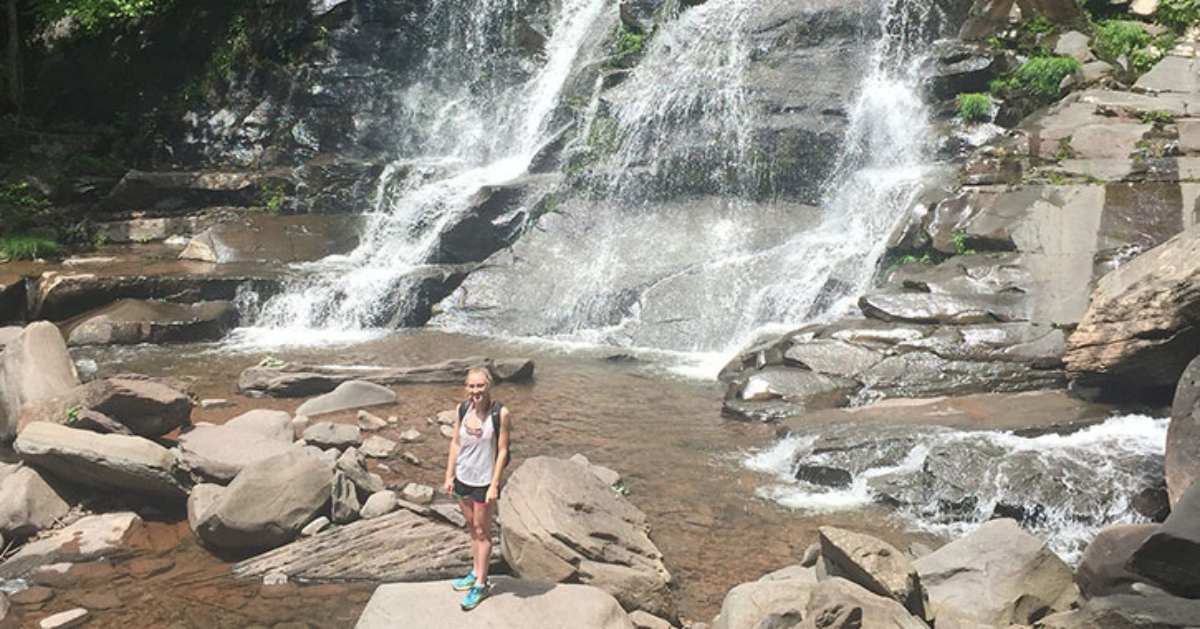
691,233
469,125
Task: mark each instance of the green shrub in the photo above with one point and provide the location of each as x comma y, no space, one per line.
21,247
959,240
974,107
1119,37
1039,25
628,46
1178,14
1039,76
1159,116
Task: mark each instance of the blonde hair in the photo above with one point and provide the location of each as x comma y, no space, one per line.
481,371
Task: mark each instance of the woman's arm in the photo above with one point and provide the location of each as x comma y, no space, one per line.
501,455
451,460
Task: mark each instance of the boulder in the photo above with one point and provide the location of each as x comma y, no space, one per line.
1140,329
1104,568
273,425
559,522
998,575
344,504
90,538
513,603
201,499
400,546
799,388
1183,436
1171,74
331,435
642,620
268,503
378,447
95,421
749,604
875,565
34,366
919,307
116,463
608,476
1169,555
149,407
417,493
353,464
28,504
379,504
297,380
840,604
1128,611
218,453
348,395
1074,44
367,421
133,321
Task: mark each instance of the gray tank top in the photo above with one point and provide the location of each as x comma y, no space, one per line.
476,453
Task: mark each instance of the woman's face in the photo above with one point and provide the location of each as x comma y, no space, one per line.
477,387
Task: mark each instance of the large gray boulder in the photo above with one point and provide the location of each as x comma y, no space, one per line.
132,321
996,575
1141,326
91,537
296,380
875,565
749,604
1170,555
149,407
513,603
1128,611
268,503
1104,568
273,425
327,435
348,395
1183,436
561,523
218,453
28,503
117,463
836,602
34,366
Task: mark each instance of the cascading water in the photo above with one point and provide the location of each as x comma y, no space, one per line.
693,244
1064,487
469,128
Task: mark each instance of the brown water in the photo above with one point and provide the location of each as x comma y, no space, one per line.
664,434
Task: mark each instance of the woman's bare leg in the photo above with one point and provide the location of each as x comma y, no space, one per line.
482,542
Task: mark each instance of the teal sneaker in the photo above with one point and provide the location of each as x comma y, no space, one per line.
462,584
475,596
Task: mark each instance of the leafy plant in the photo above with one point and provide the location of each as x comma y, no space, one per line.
1039,25
273,197
1119,37
1039,76
94,14
959,240
974,107
628,46
909,259
1178,14
1156,116
25,247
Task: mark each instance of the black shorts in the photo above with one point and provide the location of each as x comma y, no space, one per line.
464,491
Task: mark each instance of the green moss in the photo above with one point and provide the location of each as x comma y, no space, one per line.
1177,14
24,247
974,107
273,196
627,47
1156,116
959,240
1119,37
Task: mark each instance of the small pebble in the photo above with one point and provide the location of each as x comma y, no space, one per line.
275,578
62,620
409,436
447,432
411,459
367,421
215,403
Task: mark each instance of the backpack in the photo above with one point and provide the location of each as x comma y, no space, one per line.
494,415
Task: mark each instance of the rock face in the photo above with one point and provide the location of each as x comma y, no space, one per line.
875,565
218,453
559,522
513,603
147,406
399,546
348,395
997,575
1142,326
132,321
27,503
33,367
268,503
1183,435
117,463
90,538
1169,555
264,237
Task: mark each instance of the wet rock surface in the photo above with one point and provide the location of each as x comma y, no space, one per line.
294,380
131,321
265,237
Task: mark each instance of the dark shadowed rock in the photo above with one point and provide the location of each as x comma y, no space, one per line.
132,321
874,565
172,191
149,407
1169,555
1183,435
1128,611
1104,568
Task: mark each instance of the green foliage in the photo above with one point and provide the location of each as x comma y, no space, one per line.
1039,77
1039,25
1064,150
627,47
1119,37
73,414
959,240
909,259
21,209
974,107
1178,14
25,247
273,197
96,14
1156,116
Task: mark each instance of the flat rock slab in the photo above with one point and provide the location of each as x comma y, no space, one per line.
109,462
266,237
90,538
149,407
132,321
399,546
513,603
348,395
297,380
220,452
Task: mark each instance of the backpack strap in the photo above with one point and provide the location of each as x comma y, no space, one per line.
462,409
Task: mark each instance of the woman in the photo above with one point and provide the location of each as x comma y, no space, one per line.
478,453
